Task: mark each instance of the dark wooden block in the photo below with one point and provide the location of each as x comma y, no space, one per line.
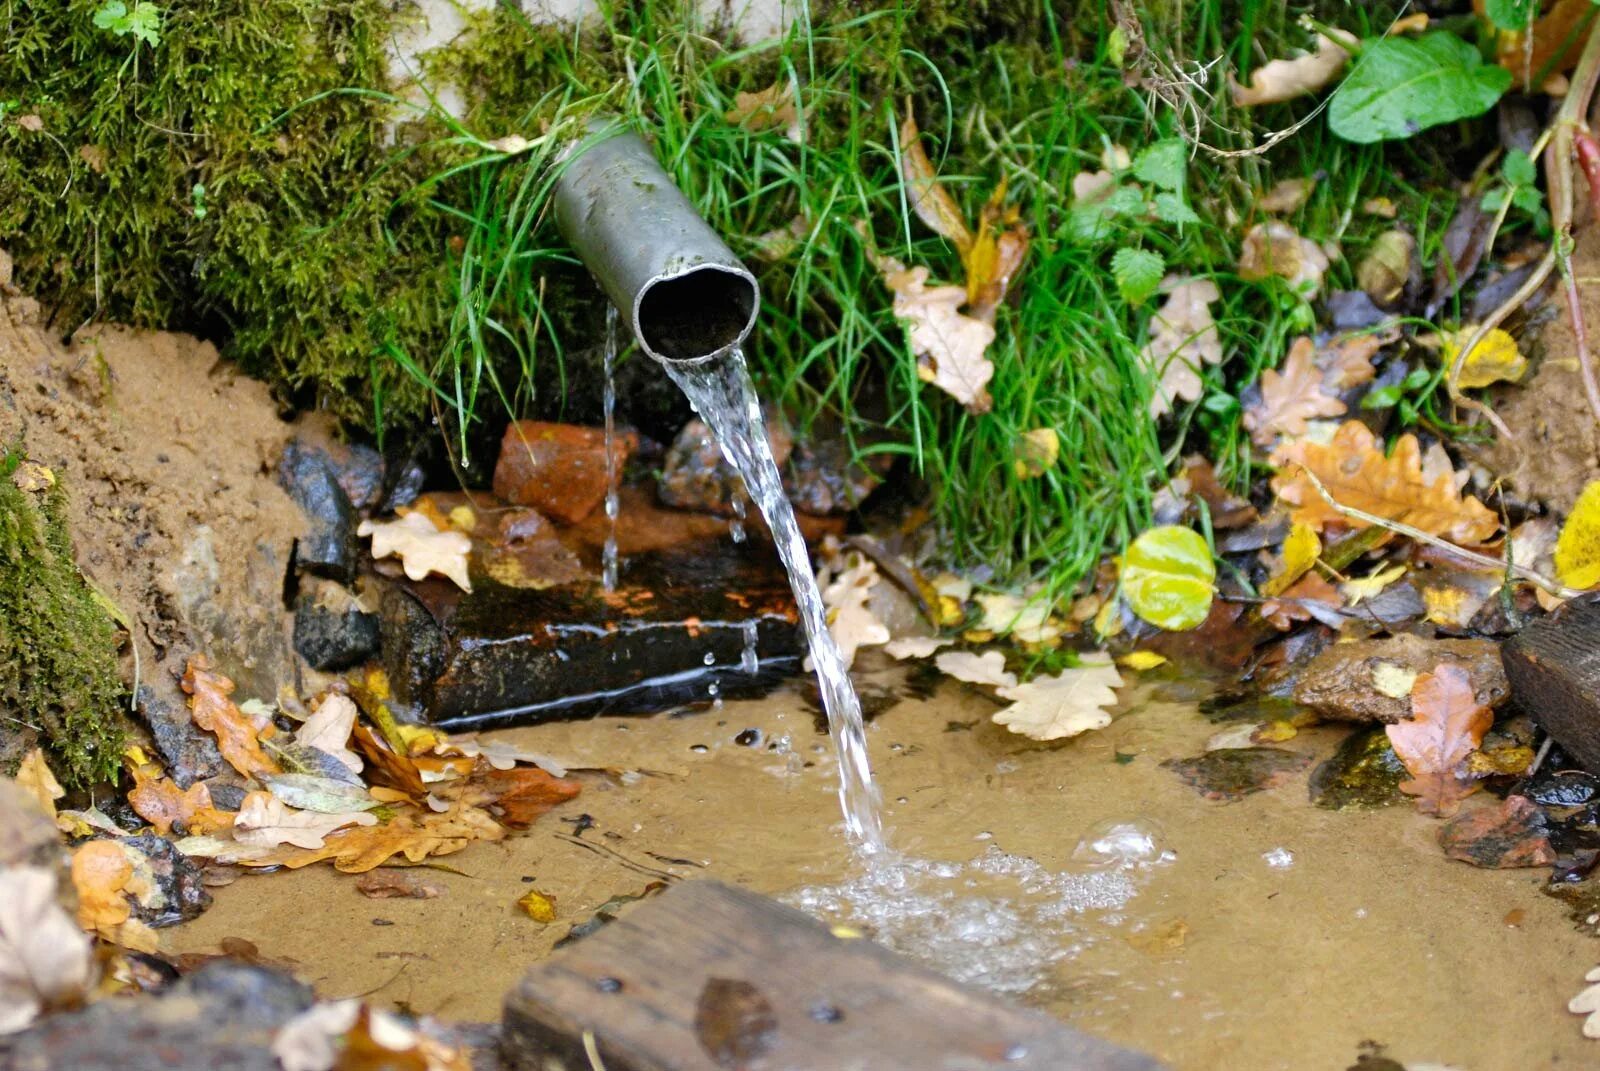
711,978
1554,669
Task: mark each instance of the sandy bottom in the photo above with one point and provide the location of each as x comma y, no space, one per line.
1218,960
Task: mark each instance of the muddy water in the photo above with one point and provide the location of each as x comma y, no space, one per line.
1217,959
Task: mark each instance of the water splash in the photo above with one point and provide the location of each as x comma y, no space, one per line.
721,392
736,526
608,557
749,660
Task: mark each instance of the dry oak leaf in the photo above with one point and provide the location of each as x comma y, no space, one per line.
329,728
520,795
949,345
213,711
359,849
850,618
1183,339
1347,362
1511,834
1066,704
1447,724
421,547
1302,601
772,108
1285,79
264,821
1356,473
929,198
34,777
103,876
1275,248
158,800
987,668
45,960
1291,397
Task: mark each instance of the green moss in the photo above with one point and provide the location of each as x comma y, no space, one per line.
58,646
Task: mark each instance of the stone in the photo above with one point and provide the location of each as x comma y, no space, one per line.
188,753
224,1015
1554,670
558,469
1338,683
695,475
332,631
822,478
503,654
178,894
328,547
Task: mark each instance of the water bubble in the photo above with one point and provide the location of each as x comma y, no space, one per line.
1278,858
1119,843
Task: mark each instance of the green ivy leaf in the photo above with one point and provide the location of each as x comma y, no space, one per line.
1401,85
1163,164
1167,577
1172,208
1138,272
1510,14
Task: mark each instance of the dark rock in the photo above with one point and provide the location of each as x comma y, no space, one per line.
1351,310
224,1015
360,470
190,755
179,893
822,478
1338,684
695,475
1562,788
503,654
226,797
1364,772
404,483
329,546
1554,669
331,630
558,469
1232,773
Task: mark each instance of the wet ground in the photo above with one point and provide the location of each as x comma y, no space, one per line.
1215,959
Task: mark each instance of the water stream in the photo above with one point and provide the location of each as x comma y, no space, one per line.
720,390
608,571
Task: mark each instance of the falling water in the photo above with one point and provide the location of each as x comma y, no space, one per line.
721,392
749,659
608,569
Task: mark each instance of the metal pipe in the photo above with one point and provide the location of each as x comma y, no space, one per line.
681,291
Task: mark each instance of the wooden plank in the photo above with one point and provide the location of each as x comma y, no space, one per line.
1554,669
706,977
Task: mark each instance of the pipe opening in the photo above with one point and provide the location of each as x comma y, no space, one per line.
696,314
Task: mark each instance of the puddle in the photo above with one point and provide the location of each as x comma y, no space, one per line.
1279,935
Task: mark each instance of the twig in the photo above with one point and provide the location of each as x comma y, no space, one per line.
591,1049
1521,572
1538,760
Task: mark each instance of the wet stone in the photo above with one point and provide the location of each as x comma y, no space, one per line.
695,475
558,469
331,630
503,655
1232,773
179,893
1338,683
328,547
224,1015
1363,772
822,478
189,754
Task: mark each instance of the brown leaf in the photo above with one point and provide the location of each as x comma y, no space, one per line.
1227,509
213,711
388,768
30,122
1291,397
389,884
1286,79
1511,834
1556,42
1356,473
1183,340
995,257
1275,248
929,199
772,108
34,777
1293,606
101,874
522,794
1287,195
1233,773
1347,362
413,834
1447,724
949,345
159,801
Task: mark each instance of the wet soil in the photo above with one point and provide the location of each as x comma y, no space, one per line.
1219,959
166,453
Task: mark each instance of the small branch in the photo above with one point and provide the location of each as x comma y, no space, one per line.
1521,572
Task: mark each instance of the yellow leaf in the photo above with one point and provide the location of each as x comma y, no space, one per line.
1037,451
929,199
1494,360
1578,547
35,778
1108,620
1394,681
995,256
1367,586
1275,731
1300,553
538,906
1142,660
102,875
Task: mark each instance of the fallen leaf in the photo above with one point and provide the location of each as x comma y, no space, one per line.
390,884
34,777
1382,207
30,122
1394,681
329,727
904,647
537,906
1160,938
1287,195
1291,397
521,795
986,668
1275,248
1555,45
1511,834
1577,554
32,476
850,617
1447,724
1387,265
1285,79
949,345
1347,362
347,1035
213,711
358,849
1036,453
1357,474
1141,660
46,961
103,875
1025,617
388,768
1588,1002
1494,360
264,821
498,753
1065,704
929,199
308,792
1373,583
421,547
1307,598
772,108
158,800
1167,576
1183,340
996,255
1300,552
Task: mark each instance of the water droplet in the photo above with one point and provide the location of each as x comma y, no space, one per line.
699,749
710,659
